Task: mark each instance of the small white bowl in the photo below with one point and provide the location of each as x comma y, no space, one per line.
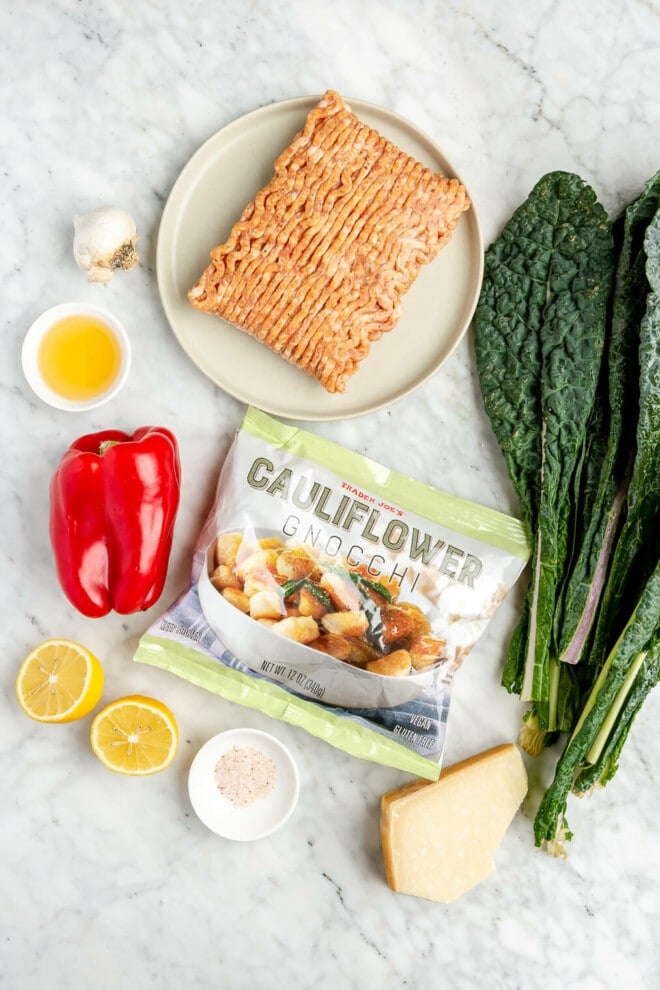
265,814
30,352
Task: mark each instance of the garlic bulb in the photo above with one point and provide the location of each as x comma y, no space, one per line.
103,241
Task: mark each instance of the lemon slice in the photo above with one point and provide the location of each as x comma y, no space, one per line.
59,681
135,736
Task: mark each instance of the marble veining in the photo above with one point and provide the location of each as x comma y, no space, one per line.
108,882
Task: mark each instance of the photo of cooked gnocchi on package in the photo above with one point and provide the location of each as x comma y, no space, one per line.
337,594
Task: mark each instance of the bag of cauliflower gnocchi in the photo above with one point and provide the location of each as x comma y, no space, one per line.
337,595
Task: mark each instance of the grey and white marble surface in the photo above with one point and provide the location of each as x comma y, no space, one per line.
108,882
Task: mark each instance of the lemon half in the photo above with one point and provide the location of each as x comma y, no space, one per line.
59,681
135,736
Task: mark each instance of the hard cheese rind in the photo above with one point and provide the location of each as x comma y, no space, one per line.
439,839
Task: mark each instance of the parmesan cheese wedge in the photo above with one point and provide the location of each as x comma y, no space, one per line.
439,838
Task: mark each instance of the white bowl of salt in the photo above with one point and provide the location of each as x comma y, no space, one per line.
243,784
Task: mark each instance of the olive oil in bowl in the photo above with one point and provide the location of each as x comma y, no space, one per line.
76,356
79,357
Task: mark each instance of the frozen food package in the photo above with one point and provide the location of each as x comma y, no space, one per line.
336,594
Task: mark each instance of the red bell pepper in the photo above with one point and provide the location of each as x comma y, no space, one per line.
113,502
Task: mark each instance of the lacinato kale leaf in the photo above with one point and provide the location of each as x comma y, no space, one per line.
507,327
611,433
636,547
581,437
572,339
539,332
514,663
597,774
639,632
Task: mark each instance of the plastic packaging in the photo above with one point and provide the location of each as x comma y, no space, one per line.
335,594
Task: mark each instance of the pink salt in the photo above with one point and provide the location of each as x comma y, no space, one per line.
243,775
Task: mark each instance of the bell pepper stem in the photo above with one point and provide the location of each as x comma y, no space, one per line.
106,445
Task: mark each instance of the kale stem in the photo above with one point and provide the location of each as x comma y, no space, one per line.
600,680
575,648
553,695
608,723
528,692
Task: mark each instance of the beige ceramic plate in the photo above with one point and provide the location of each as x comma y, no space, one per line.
208,198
